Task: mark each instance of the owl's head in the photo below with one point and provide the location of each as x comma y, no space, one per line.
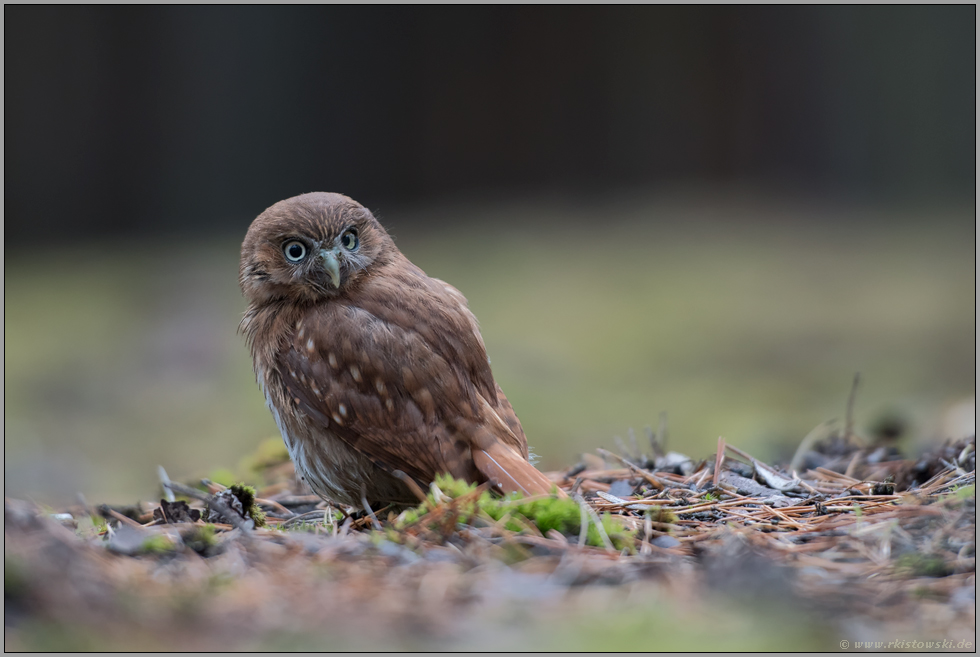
311,247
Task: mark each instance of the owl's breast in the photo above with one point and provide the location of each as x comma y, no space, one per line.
331,468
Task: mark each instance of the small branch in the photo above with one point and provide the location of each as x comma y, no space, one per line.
745,455
849,417
719,459
367,507
188,491
275,505
164,480
662,432
123,519
311,515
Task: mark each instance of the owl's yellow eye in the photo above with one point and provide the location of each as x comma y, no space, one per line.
294,250
349,240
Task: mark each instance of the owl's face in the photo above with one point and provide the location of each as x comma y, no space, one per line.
310,248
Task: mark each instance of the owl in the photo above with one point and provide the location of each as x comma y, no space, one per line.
373,370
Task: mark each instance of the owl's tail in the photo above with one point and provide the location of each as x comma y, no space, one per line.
509,472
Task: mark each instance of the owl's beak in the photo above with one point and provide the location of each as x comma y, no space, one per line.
331,265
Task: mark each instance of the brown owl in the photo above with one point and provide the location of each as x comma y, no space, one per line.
371,368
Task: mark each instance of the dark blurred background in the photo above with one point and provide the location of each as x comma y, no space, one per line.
165,119
718,212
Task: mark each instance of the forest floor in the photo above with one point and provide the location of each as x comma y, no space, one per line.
850,547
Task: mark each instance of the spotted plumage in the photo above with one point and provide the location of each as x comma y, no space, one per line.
370,367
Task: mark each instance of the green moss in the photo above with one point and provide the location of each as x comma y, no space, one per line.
257,515
246,495
410,517
915,564
201,539
921,592
157,544
967,492
453,487
621,537
561,514
660,513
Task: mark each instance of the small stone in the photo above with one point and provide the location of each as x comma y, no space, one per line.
621,488
665,542
127,540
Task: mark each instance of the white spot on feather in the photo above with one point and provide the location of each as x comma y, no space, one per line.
332,360
336,418
356,373
309,344
343,410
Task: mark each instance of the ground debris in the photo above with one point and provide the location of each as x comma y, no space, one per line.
828,547
175,512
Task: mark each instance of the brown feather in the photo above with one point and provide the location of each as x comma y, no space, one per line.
509,472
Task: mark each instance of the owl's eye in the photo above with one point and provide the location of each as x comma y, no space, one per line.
295,250
349,240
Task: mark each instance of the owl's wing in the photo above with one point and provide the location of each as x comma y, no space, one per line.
507,414
502,406
389,393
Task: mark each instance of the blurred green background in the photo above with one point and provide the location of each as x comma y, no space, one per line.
731,314
721,213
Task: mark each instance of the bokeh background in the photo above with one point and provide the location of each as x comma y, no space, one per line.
721,213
